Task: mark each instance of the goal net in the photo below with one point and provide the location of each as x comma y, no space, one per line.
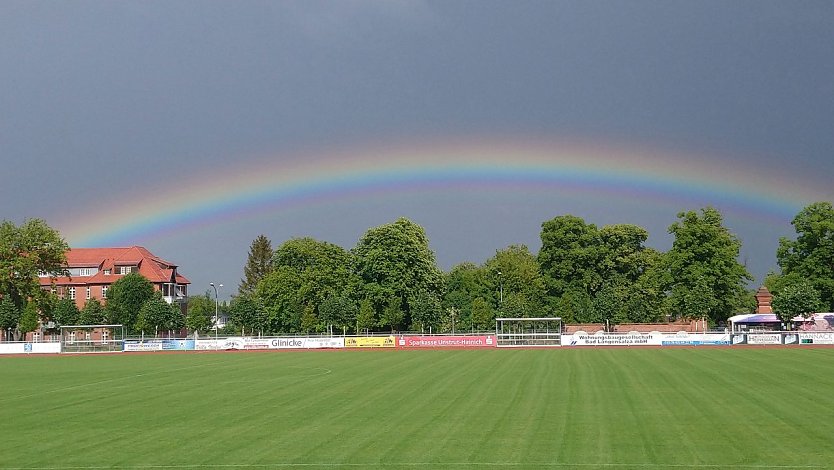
92,338
528,332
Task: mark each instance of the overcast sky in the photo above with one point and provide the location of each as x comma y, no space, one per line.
102,100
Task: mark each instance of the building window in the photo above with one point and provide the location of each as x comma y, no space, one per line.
85,272
36,337
104,336
103,292
72,293
72,337
89,293
125,269
106,272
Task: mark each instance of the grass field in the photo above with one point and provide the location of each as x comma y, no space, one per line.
552,409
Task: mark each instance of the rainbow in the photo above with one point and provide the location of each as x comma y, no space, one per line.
261,186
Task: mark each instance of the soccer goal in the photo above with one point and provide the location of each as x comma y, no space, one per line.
92,338
528,332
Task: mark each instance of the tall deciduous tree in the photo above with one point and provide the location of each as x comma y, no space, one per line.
811,256
29,318
92,314
280,294
248,314
339,312
323,268
796,299
426,312
463,284
258,264
483,315
366,318
707,278
9,316
519,280
25,252
126,297
66,312
395,259
570,256
156,315
200,313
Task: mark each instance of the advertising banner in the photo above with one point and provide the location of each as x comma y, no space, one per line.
370,342
138,345
609,339
764,338
324,343
239,343
683,338
816,337
30,348
487,341
739,339
134,345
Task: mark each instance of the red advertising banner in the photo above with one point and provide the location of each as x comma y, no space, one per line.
446,342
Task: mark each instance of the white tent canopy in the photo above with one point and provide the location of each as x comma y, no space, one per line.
748,318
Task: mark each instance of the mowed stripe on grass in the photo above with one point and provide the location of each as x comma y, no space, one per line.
556,408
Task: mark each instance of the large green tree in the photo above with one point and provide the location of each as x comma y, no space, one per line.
29,318
706,278
27,251
464,283
125,299
258,264
93,313
797,299
66,312
570,256
200,312
518,280
9,318
323,268
280,293
811,256
156,315
338,312
247,314
394,260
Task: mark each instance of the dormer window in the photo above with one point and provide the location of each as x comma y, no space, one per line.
85,272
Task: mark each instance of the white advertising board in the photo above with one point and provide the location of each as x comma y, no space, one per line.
816,337
609,339
30,348
241,343
764,338
695,339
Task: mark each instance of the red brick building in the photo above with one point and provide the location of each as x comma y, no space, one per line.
93,270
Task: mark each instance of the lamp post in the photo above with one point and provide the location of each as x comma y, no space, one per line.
216,316
500,290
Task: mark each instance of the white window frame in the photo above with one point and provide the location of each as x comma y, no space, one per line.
85,272
104,292
89,293
71,292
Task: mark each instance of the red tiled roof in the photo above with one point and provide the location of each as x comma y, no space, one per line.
151,266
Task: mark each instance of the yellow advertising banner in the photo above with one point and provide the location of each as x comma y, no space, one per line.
370,342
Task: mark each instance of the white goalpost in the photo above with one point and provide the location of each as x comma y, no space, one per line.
528,332
92,338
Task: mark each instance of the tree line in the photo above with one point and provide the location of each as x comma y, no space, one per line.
390,280
582,273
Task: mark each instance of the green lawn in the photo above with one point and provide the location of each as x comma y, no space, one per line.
688,408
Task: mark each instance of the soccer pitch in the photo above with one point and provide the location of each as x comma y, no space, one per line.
688,408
